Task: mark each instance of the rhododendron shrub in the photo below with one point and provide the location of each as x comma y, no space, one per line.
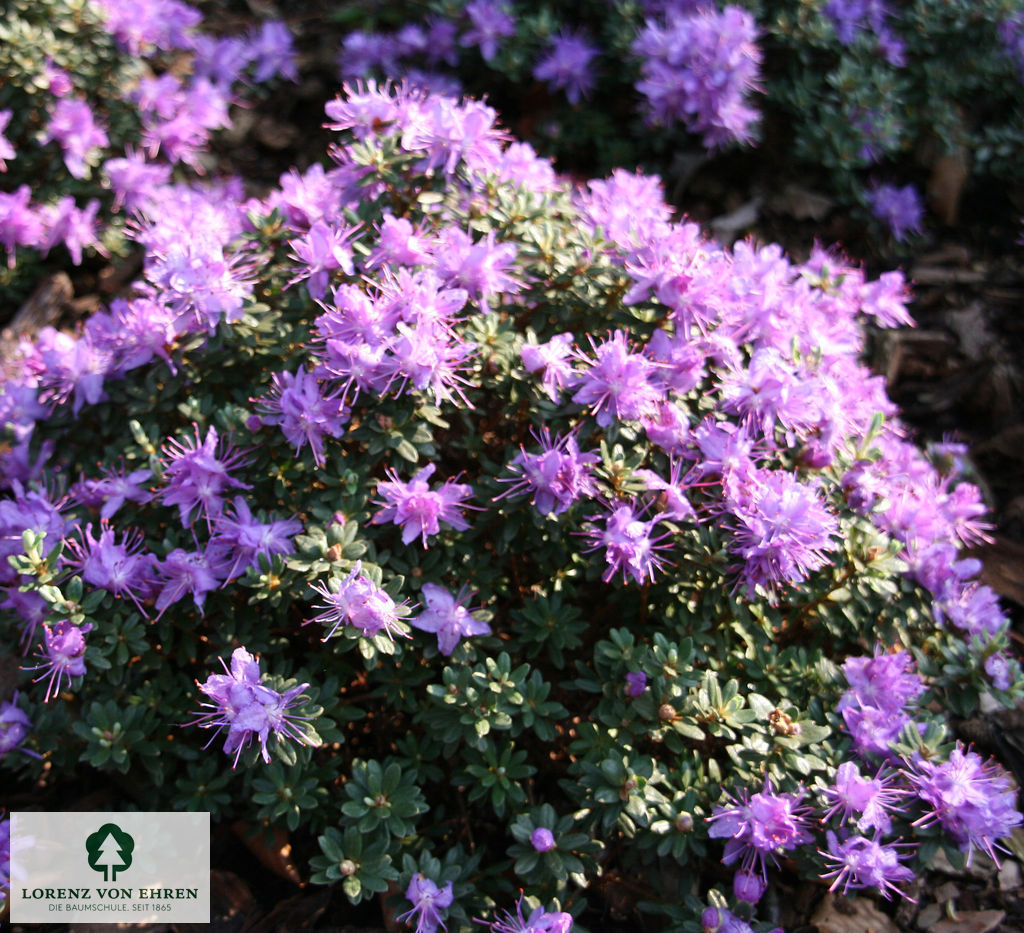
482,532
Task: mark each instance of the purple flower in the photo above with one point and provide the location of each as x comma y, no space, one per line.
873,707
885,681
6,149
628,545
133,177
542,839
972,799
75,368
557,476
872,798
195,572
272,52
139,25
32,508
619,384
760,826
362,53
73,127
319,251
63,654
521,167
197,474
491,21
249,539
671,502
400,244
122,569
481,268
636,683
850,18
447,617
781,528
358,602
304,199
220,60
900,209
75,228
866,863
539,921
449,132
138,331
874,730
553,358
247,708
420,509
19,224
14,727
200,281
698,67
419,299
721,920
627,207
770,390
885,300
566,67
112,490
1000,670
1011,35
305,413
971,606
428,357
428,900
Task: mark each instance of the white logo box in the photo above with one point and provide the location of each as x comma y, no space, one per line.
110,867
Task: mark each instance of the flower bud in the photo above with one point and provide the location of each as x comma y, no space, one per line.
684,823
748,886
542,839
711,920
636,683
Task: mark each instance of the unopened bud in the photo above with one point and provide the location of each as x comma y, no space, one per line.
781,723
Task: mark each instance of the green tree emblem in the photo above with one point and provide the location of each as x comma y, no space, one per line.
110,850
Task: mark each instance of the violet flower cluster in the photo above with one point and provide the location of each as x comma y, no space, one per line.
973,800
900,209
248,709
698,68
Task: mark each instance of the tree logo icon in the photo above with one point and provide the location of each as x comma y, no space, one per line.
110,850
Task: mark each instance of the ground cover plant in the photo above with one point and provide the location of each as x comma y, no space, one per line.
856,95
486,534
